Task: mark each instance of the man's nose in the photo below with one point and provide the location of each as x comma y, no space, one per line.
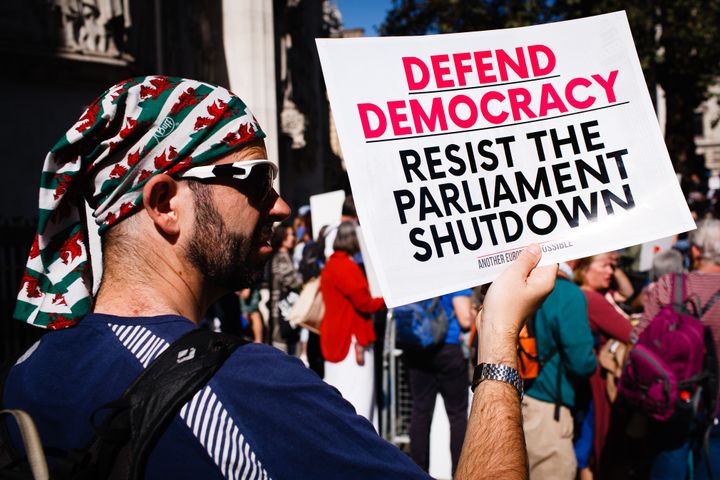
280,210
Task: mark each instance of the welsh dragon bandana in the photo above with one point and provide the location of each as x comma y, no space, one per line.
136,129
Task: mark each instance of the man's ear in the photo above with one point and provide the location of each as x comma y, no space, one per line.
157,195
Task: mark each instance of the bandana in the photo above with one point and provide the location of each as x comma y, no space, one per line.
136,129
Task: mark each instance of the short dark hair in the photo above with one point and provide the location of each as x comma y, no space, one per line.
278,236
348,208
346,239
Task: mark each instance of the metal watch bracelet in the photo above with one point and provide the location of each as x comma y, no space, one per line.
502,373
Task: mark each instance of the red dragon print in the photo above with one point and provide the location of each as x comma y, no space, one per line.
31,286
130,125
162,160
118,171
238,138
181,165
59,300
159,85
110,219
186,99
126,208
133,158
143,175
123,87
72,248
64,180
217,110
88,118
35,248
58,322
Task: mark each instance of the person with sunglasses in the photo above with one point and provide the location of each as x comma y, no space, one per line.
177,179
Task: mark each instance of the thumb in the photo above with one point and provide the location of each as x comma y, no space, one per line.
527,260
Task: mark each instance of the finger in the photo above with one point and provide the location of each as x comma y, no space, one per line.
526,261
544,277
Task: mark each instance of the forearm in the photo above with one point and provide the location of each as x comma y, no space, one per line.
623,284
494,443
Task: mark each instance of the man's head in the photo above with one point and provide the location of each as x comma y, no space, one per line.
148,145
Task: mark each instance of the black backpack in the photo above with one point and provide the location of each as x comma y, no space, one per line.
125,438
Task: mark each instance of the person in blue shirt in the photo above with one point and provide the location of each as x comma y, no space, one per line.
441,369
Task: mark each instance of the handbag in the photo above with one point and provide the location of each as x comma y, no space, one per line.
611,358
309,308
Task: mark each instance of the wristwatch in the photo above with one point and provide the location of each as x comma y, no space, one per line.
502,373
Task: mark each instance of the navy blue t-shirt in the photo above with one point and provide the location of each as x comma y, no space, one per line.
263,415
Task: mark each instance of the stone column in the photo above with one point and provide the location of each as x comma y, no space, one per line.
250,54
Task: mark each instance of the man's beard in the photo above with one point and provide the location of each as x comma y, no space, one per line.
219,255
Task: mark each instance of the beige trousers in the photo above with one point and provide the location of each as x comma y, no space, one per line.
549,443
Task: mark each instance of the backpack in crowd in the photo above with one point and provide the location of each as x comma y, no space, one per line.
421,324
312,260
673,365
133,422
530,361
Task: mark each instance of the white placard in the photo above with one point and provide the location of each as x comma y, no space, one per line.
648,250
463,148
326,209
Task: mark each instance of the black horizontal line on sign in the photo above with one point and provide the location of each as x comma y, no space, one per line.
484,86
495,126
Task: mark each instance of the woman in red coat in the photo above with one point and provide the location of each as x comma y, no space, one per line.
347,332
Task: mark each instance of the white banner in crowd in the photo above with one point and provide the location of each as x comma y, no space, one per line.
326,209
649,250
464,148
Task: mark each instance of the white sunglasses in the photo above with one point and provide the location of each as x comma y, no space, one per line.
257,176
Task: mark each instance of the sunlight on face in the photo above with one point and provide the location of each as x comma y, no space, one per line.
599,273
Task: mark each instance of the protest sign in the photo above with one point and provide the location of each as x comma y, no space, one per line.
464,148
648,250
326,209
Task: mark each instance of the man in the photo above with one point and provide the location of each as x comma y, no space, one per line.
442,369
180,227
565,349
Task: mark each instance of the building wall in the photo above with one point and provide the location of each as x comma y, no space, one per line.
708,143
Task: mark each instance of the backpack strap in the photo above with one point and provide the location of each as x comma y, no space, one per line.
124,439
558,385
678,290
31,440
709,304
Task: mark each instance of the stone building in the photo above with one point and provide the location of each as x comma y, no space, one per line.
707,130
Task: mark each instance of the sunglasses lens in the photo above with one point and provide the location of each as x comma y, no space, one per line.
260,182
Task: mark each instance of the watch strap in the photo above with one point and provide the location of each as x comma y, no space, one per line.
501,373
